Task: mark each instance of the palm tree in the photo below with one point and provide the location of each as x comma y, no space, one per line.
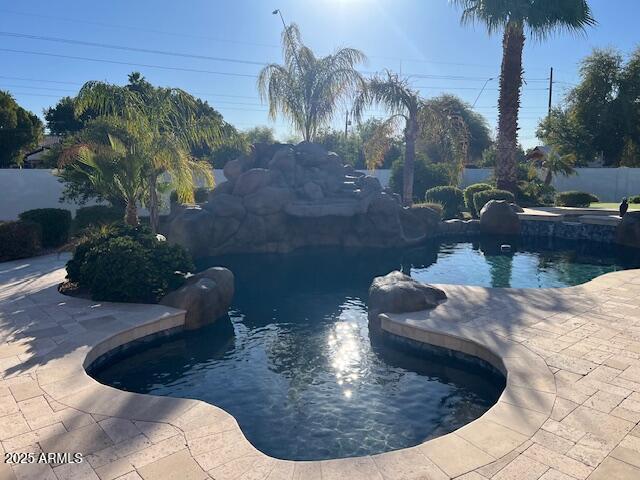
170,117
110,153
556,164
404,103
308,89
539,18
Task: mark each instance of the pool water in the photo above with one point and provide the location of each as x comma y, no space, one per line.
297,366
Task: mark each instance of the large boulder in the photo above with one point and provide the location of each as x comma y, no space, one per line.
205,297
498,217
284,163
234,168
628,230
312,191
251,181
310,154
191,227
419,222
226,205
267,200
399,293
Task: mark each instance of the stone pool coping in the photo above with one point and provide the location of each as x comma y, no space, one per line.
570,409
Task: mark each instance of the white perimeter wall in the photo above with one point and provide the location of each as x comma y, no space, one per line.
608,184
22,190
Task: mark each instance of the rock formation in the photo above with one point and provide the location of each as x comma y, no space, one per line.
281,197
499,217
628,230
399,293
205,296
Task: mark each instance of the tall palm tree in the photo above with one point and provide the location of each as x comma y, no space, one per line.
111,153
404,103
170,117
539,18
308,89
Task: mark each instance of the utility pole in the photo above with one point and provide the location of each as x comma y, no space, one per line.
550,89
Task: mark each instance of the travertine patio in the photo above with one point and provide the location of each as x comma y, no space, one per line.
571,408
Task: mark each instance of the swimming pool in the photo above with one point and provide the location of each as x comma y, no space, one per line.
299,369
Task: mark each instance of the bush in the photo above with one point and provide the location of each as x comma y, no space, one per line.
97,215
575,199
451,199
436,207
426,175
470,191
634,199
534,193
127,264
480,199
54,222
19,240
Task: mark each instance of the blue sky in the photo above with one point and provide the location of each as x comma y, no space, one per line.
418,37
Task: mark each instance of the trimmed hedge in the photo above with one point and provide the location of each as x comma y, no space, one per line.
470,191
128,264
480,199
436,207
19,240
451,199
97,215
55,224
574,198
634,199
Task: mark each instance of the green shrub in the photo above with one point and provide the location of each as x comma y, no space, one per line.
127,264
19,240
451,199
575,199
470,191
55,224
436,207
426,175
480,199
534,193
97,215
634,199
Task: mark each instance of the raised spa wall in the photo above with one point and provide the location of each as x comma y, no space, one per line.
596,228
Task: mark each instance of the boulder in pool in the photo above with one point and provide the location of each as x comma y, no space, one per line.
498,217
628,230
399,293
206,297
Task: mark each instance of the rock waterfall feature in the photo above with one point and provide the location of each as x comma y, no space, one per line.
281,197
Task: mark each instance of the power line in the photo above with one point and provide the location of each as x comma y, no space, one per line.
196,70
222,40
116,62
128,49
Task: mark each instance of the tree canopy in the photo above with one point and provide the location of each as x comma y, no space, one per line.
600,117
438,146
20,130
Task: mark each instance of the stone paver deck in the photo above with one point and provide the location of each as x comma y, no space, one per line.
571,408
